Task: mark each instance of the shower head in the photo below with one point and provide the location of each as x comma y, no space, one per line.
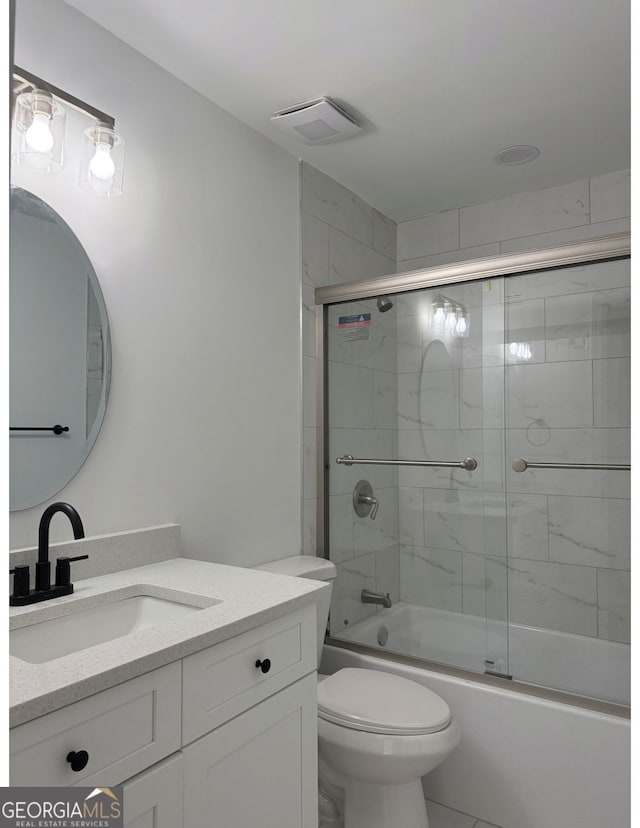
384,304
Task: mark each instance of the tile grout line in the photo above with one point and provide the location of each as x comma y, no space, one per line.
516,238
353,238
597,605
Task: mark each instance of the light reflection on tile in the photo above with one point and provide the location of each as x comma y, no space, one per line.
525,326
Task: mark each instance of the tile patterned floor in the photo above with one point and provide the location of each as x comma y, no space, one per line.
441,817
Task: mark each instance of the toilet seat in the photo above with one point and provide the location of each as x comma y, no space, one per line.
376,702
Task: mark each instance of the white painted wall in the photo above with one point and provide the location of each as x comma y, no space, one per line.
199,265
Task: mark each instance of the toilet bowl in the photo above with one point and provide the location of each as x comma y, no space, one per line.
378,734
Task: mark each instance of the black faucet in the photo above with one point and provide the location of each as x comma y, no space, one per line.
43,567
43,590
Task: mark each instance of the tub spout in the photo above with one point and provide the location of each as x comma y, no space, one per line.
368,597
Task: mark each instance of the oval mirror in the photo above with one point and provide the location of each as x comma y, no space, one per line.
60,352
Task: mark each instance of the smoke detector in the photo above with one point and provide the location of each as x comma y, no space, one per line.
320,121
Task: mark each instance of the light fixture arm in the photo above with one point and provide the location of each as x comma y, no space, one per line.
33,81
38,135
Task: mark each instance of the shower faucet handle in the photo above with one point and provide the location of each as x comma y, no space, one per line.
376,503
364,501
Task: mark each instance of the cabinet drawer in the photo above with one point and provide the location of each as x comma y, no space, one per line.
124,730
222,681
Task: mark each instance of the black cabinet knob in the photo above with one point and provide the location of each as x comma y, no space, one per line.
264,665
78,760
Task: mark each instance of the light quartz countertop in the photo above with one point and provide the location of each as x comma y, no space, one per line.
248,598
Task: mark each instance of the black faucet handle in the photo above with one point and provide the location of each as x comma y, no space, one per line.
63,569
20,580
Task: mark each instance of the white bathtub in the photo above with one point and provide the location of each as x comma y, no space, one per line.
563,661
524,761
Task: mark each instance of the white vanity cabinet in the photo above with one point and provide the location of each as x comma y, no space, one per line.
154,798
259,769
252,731
225,738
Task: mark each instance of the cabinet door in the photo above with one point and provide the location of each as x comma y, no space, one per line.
260,769
153,798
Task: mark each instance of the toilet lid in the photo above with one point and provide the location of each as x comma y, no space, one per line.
380,703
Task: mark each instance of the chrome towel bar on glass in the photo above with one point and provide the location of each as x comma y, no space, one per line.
521,465
468,463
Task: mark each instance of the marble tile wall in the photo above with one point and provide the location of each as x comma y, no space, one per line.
584,209
566,532
450,406
345,240
362,402
550,546
442,536
569,529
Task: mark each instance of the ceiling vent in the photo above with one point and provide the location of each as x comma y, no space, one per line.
320,121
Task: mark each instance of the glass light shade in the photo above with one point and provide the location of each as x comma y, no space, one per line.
102,162
438,314
449,317
37,133
462,322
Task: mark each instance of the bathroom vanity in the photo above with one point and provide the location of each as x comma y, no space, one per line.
206,719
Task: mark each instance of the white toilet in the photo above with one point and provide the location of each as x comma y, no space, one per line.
378,733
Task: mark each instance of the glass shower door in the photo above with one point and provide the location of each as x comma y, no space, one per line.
477,459
417,388
568,419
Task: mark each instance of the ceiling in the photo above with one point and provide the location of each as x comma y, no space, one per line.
441,85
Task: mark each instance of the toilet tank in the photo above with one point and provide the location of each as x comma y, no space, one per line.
318,569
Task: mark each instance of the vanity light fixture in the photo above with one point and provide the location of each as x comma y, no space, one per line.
438,313
38,135
39,123
449,316
101,161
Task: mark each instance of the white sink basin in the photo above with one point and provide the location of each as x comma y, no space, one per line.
85,628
